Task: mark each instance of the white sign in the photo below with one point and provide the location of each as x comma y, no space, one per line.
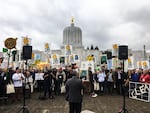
55,59
68,49
139,91
114,63
86,64
39,76
143,64
109,64
115,50
130,62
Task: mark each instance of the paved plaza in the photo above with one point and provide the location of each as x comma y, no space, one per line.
100,104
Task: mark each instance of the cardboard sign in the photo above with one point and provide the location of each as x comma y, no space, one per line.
10,43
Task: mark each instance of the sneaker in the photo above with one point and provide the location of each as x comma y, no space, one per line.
94,95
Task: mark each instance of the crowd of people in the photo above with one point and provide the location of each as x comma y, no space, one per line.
108,81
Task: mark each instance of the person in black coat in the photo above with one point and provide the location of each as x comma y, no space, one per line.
120,78
47,83
74,93
2,83
90,74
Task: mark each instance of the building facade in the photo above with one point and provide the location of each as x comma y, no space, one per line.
72,38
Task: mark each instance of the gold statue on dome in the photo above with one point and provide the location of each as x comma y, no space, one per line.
72,20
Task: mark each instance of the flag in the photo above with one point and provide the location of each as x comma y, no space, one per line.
5,50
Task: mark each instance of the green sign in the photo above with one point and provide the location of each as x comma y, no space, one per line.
5,50
104,59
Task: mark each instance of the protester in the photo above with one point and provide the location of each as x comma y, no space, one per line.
145,77
47,83
101,79
18,78
119,80
91,79
29,81
60,77
2,83
110,82
135,77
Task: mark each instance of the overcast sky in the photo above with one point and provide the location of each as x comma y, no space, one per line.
103,22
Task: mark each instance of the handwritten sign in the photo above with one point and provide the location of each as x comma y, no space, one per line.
139,91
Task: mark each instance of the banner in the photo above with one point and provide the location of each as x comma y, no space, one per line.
139,91
43,65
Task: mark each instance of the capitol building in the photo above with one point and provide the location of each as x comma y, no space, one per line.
72,36
73,51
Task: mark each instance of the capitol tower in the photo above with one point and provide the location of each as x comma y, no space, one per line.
72,35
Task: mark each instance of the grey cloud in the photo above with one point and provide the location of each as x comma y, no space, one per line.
48,18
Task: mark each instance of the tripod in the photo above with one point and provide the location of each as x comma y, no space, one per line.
24,108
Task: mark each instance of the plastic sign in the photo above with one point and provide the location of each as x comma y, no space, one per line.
26,40
10,43
115,46
68,49
47,47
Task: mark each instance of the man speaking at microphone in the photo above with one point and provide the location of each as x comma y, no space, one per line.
74,93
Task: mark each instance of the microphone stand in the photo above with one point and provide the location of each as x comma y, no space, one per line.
123,109
24,108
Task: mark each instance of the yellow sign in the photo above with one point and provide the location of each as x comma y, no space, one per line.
42,65
46,46
33,55
67,47
140,63
10,43
37,62
115,46
89,58
144,63
54,56
129,60
26,40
